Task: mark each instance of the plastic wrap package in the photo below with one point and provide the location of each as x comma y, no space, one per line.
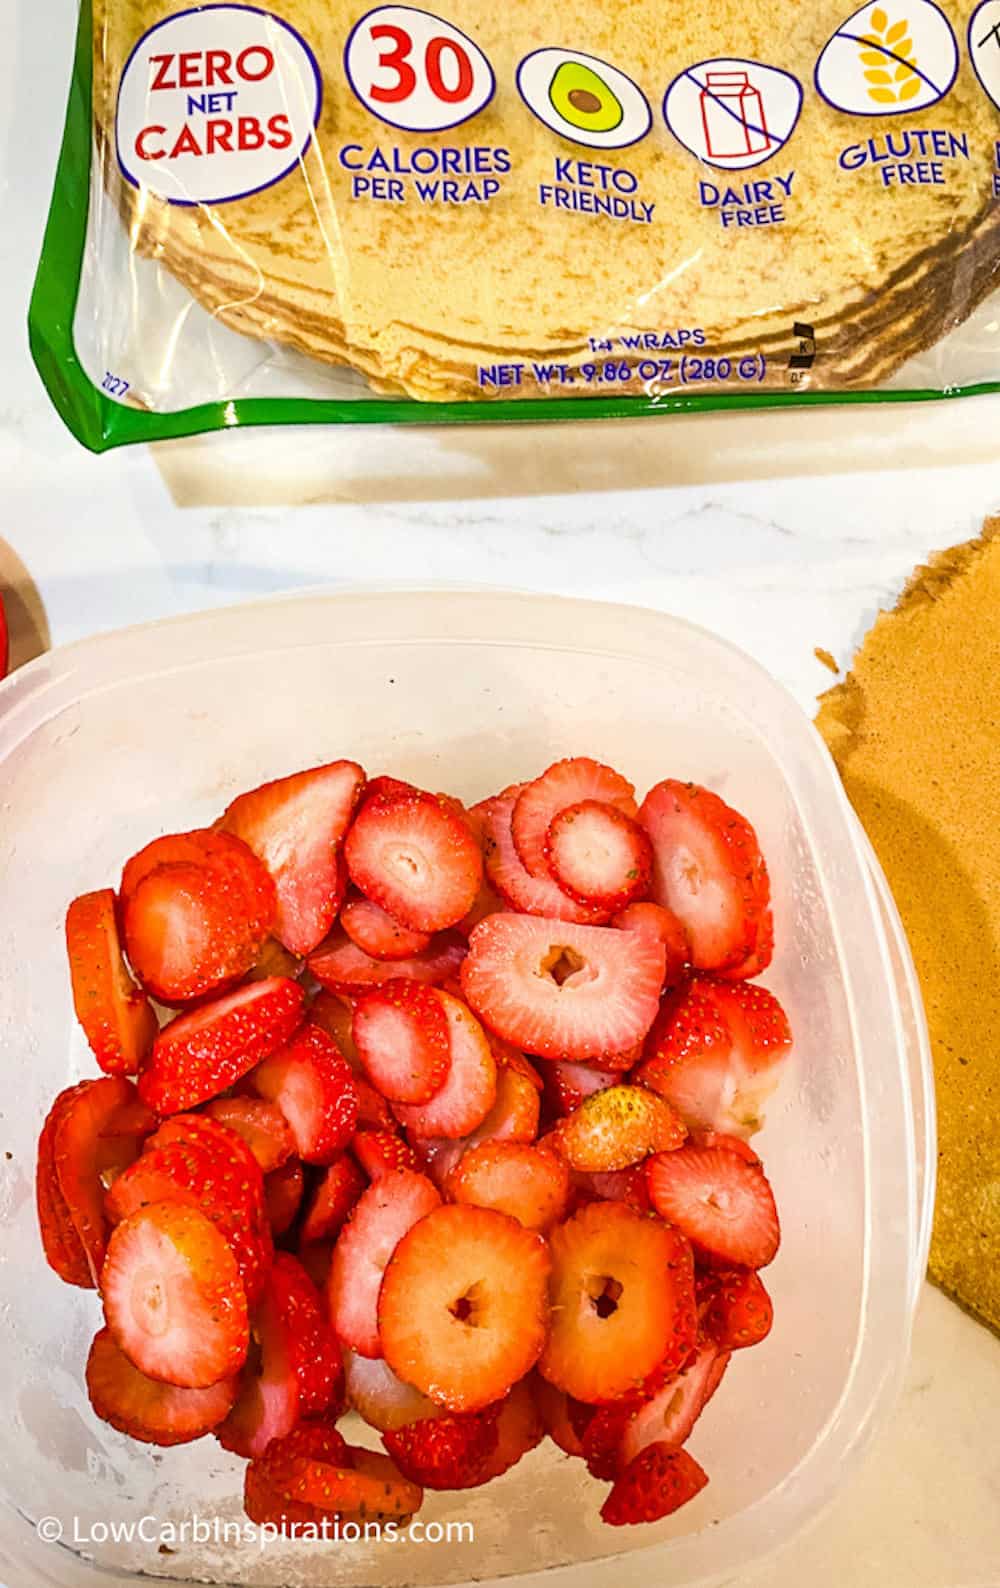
321,212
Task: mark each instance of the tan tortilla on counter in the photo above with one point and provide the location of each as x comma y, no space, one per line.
915,731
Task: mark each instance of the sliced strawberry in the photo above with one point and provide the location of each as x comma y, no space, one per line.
380,1219
283,1190
510,1058
617,1128
416,858
554,1409
598,855
517,887
718,1138
263,1499
462,1312
313,1085
621,1185
487,902
657,1483
332,1200
655,921
368,1487
515,1112
116,1016
708,869
560,990
450,1451
736,1310
192,929
63,1248
173,1299
438,1156
566,1085
529,1184
342,967
377,933
470,1089
379,1152
668,1415
519,1429
402,1037
202,1053
296,826
334,1014
717,1053
147,1409
622,1287
723,1205
262,1126
566,783
84,1119
382,1399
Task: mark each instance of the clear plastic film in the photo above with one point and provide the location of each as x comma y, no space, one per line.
317,212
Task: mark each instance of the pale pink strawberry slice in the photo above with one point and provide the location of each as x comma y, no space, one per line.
708,869
669,1415
655,921
376,933
205,1051
724,1205
417,858
402,1038
173,1299
565,783
382,1399
470,1089
313,1085
381,1217
342,967
296,826
516,886
598,855
717,1052
560,990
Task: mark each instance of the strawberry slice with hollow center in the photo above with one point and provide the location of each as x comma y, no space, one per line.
376,932
469,1092
173,1299
617,1128
312,1083
296,826
401,1035
658,1482
724,1205
599,855
147,1409
565,783
204,1052
463,1308
516,886
415,857
709,871
342,967
116,1016
381,1217
560,990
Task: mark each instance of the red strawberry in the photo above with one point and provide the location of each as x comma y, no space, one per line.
147,1409
470,1089
561,990
708,869
529,1184
515,1112
669,1413
378,934
401,1035
414,856
655,921
193,925
283,1190
340,966
450,1451
616,1128
382,1399
202,1053
438,1156
736,1310
554,1408
568,1084
598,855
462,1312
334,1014
717,1138
759,957
519,1429
333,1199
723,1205
520,890
621,1185
379,1152
382,1216
263,1499
296,826
367,1487
115,1014
261,1125
173,1298
657,1483
63,1248
565,783
622,1287
312,1084
716,1053
83,1125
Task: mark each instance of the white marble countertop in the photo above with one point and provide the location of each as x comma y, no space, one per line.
780,531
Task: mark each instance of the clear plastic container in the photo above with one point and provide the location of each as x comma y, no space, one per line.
110,741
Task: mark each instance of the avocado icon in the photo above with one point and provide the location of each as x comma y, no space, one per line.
580,97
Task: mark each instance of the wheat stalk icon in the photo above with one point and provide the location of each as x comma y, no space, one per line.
888,58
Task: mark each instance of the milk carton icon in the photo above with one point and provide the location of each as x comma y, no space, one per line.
732,114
